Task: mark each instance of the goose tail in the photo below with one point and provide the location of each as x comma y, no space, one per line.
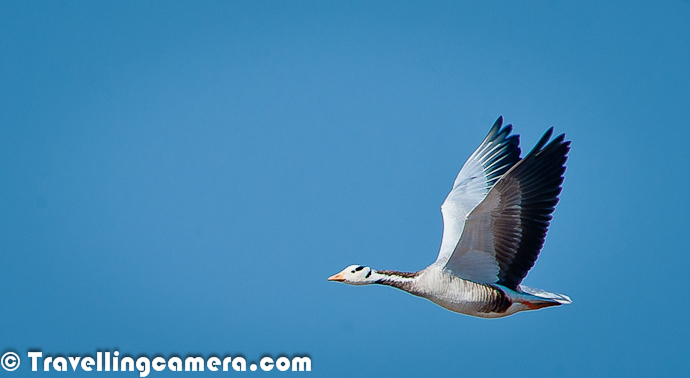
548,296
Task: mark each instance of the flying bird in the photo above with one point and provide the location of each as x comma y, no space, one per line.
495,221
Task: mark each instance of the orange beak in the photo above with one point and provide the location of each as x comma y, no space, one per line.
337,277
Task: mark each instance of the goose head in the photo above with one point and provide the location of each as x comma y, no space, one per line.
355,275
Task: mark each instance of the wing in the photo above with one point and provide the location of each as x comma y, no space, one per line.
494,156
504,234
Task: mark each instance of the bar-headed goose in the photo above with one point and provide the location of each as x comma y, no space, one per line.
494,223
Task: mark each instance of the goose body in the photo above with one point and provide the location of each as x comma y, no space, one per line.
495,221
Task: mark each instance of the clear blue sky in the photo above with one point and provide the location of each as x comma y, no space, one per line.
182,177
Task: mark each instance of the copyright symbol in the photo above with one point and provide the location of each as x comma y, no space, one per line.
10,361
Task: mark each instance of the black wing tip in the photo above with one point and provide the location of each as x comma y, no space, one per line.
554,143
504,134
559,144
514,139
542,141
501,134
494,130
497,125
505,130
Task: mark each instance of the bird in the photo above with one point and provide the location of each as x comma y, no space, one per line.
495,221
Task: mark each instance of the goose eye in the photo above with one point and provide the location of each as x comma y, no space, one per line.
353,271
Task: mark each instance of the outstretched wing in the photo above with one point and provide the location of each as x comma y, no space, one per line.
494,157
504,234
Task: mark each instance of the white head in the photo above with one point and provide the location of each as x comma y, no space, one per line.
356,275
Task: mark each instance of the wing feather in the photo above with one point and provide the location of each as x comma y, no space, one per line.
497,153
510,223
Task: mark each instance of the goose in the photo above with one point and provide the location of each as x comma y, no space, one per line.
495,220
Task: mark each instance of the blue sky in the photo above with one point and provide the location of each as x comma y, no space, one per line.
182,177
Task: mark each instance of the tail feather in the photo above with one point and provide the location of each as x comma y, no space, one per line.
537,304
560,298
